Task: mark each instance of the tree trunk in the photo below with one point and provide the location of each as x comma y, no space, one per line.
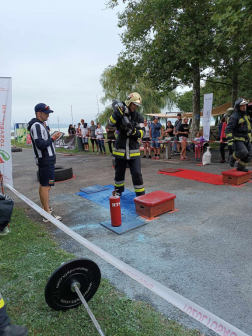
196,100
234,87
235,80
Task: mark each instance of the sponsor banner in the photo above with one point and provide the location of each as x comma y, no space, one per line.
200,314
21,132
5,129
207,112
69,142
28,140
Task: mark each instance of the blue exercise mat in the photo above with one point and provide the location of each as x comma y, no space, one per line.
93,189
102,198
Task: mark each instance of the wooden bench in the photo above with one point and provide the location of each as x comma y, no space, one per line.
235,177
154,203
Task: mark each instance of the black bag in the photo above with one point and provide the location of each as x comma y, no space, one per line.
6,209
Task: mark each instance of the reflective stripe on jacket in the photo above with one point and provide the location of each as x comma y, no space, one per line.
239,127
127,146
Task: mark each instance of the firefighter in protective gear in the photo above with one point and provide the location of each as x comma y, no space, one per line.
249,112
238,133
229,112
6,328
126,150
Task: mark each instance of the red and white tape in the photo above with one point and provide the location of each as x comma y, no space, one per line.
88,137
200,314
176,141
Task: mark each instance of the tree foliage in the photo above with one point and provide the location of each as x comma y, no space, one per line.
233,45
221,95
178,42
120,80
170,41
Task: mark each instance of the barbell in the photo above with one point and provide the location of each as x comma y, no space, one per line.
74,283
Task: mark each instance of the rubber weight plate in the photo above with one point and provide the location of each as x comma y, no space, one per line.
58,293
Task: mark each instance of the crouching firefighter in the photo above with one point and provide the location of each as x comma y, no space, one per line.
126,150
238,133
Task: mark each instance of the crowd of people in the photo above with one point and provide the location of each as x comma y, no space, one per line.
96,134
153,133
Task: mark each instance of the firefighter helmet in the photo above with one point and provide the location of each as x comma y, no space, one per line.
230,110
239,102
134,98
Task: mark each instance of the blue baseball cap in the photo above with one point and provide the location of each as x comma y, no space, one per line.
42,108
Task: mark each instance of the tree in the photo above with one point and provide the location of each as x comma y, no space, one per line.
170,41
221,95
233,45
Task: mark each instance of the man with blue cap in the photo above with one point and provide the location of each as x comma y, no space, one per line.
44,150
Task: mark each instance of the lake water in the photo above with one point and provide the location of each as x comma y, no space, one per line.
61,129
65,129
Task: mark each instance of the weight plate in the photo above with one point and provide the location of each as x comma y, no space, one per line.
58,293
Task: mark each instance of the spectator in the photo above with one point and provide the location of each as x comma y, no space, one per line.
183,132
71,130
78,130
156,134
168,133
84,134
110,136
220,126
146,140
169,129
92,129
223,140
198,145
75,128
176,145
100,138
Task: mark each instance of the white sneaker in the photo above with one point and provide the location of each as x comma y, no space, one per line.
5,231
45,220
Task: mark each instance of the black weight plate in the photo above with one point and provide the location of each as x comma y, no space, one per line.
58,293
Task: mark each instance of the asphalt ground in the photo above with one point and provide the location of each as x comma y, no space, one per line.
203,251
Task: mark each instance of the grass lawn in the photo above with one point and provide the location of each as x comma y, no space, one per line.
27,259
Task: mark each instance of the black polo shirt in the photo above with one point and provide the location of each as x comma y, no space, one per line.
184,128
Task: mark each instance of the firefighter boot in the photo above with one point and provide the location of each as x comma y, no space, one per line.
242,168
14,330
231,160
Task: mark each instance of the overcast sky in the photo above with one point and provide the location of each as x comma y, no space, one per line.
55,51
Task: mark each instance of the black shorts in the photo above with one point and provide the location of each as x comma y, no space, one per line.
94,141
46,175
146,139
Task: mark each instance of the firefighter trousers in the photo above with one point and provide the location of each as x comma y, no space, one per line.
4,318
241,152
135,170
